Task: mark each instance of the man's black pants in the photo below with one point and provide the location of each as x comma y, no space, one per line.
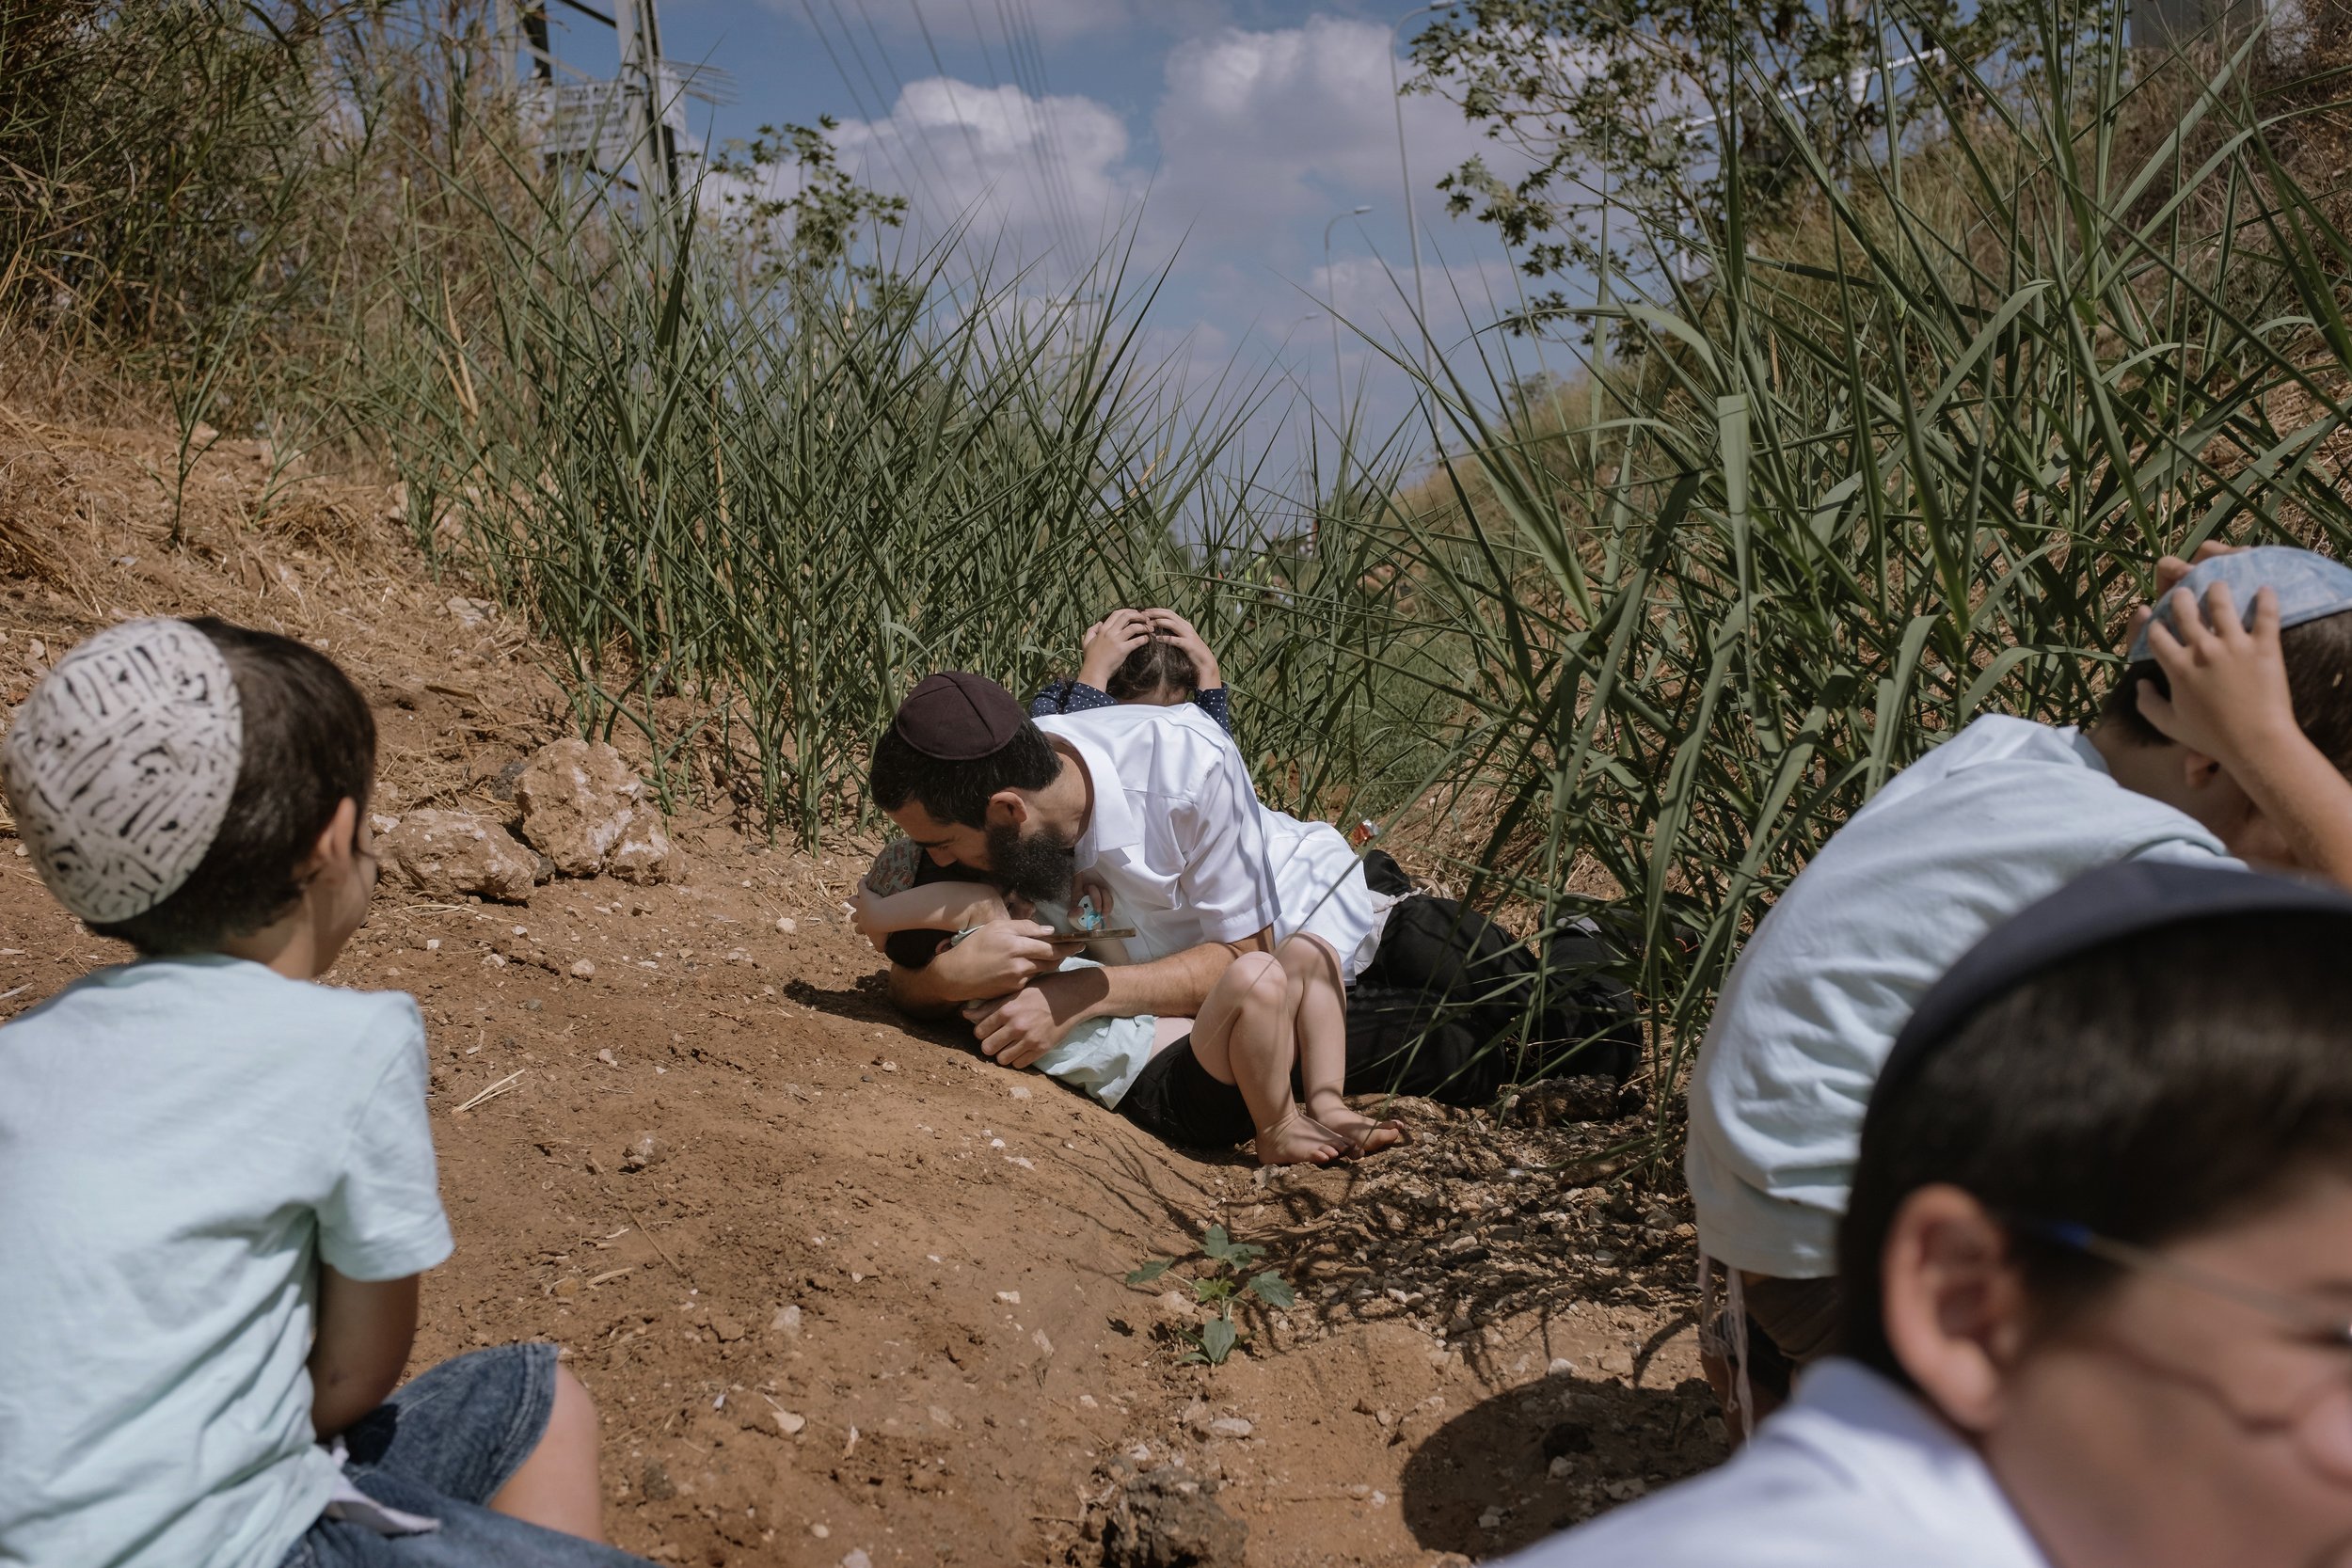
1453,1006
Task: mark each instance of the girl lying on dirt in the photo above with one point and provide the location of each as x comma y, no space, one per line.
1274,1020
1140,656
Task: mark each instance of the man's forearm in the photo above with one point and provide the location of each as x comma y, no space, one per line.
998,959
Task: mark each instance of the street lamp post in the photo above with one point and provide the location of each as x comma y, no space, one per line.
1404,167
1331,293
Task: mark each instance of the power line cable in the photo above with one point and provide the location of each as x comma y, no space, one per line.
1060,208
1021,38
858,99
996,85
1019,63
963,124
922,143
1052,123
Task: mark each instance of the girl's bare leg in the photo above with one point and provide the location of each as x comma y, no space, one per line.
557,1487
1244,1036
1320,1009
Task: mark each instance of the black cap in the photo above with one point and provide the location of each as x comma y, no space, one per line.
956,716
2105,905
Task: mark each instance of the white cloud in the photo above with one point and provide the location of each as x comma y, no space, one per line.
1261,127
1027,171
1262,135
993,22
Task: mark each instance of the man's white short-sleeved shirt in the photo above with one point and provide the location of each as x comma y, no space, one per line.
2005,813
1190,854
183,1143
1855,1473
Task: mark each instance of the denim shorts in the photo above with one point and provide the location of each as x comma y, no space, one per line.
442,1446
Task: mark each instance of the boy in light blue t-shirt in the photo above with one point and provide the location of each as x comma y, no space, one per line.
216,1179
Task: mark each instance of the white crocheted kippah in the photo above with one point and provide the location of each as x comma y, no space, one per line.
120,765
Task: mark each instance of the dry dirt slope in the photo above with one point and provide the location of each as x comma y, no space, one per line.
861,1300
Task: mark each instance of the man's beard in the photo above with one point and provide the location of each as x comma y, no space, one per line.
1038,867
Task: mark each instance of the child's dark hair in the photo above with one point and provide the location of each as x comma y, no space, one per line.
308,746
958,791
2152,1087
2318,658
1153,666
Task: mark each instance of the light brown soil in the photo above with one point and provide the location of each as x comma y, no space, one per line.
864,1291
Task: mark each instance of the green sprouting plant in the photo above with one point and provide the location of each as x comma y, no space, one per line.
1218,1282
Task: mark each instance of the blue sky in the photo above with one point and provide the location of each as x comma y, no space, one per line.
1226,132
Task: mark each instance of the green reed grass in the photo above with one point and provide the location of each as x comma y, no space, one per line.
1877,471
1901,457
1878,477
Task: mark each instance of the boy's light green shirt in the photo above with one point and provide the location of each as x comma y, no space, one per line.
182,1143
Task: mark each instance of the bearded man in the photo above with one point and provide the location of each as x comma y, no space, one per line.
1155,804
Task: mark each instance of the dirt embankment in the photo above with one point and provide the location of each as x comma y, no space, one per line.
846,1293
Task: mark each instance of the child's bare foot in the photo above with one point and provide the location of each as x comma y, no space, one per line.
1298,1139
1357,1132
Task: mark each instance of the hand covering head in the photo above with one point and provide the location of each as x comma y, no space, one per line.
2309,585
121,766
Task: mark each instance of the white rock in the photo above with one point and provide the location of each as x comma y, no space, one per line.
1010,1298
787,1320
586,810
584,969
791,1421
446,854
785,923
1230,1426
857,1559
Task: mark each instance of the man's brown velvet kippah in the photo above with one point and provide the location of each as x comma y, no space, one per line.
956,716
